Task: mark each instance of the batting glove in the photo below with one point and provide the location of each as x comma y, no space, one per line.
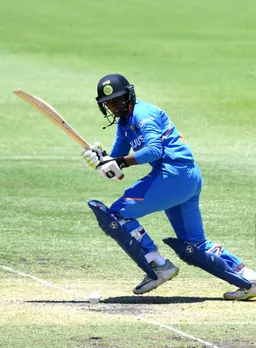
110,169
100,150
94,156
90,159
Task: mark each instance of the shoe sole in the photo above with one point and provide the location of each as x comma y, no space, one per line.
172,276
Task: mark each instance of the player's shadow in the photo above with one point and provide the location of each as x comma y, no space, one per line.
158,299
136,300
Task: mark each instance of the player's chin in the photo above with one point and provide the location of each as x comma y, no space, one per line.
122,115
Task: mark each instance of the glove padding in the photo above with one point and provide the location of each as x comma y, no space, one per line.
100,150
94,156
110,169
90,159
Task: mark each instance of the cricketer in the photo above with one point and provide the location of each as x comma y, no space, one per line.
173,186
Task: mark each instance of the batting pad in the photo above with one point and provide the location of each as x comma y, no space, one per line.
129,244
207,261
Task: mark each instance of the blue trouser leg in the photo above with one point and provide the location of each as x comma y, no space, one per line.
232,260
178,195
186,221
157,191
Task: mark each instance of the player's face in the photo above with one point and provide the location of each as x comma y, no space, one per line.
118,106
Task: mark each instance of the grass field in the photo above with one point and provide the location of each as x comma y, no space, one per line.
195,59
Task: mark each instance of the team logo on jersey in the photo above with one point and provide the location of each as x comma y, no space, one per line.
137,143
108,90
141,124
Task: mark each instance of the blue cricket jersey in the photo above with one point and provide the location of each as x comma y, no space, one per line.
153,138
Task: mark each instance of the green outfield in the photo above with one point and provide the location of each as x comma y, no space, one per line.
195,59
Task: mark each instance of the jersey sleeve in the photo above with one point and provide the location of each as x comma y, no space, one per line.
151,129
121,146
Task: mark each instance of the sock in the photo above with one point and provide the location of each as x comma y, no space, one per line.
156,258
248,274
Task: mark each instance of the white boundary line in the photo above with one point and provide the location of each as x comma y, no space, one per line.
179,332
46,283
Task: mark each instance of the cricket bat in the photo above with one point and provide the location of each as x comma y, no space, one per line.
48,111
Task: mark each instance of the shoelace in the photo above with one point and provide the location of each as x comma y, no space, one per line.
146,279
242,290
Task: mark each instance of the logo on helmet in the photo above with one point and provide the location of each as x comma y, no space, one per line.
108,90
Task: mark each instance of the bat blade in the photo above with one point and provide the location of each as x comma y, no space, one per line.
48,111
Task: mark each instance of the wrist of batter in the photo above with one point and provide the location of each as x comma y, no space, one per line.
121,162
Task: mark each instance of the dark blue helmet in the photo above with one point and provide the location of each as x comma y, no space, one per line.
111,87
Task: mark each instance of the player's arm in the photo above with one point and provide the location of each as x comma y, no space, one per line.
153,149
121,146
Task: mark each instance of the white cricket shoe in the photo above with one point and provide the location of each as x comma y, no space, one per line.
166,272
241,294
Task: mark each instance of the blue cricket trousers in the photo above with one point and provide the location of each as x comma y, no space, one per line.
177,193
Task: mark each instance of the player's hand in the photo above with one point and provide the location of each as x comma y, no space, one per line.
90,159
94,156
110,169
100,150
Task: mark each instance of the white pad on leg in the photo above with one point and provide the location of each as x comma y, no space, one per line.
156,257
